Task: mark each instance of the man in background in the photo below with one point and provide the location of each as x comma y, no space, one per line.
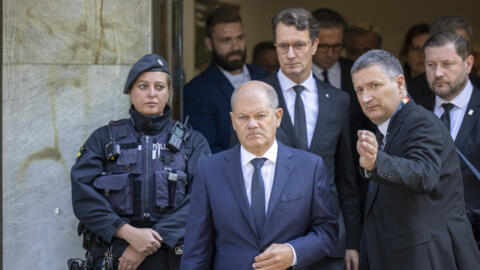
361,38
206,97
265,56
418,87
457,103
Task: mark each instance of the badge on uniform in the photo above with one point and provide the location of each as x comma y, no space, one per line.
80,153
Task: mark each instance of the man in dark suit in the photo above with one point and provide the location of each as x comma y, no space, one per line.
316,120
418,87
457,103
414,216
261,204
206,98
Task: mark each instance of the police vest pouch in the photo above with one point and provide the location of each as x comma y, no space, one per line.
165,178
117,189
127,161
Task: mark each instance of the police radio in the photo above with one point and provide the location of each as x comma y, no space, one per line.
177,134
112,149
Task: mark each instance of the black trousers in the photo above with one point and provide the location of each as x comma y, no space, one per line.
163,259
474,217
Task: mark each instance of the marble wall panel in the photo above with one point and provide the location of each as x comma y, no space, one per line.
48,112
76,32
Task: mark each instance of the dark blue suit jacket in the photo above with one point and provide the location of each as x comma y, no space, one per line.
206,99
220,229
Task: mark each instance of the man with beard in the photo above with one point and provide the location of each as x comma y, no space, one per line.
207,97
457,103
418,87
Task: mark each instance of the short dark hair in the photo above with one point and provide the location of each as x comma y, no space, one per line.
366,28
450,23
222,14
298,17
387,62
462,46
261,47
328,18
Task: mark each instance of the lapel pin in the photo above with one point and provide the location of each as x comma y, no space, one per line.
327,95
470,112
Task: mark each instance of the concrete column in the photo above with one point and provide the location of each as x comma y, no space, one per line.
64,66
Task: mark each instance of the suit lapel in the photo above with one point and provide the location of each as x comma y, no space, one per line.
471,117
283,169
233,173
286,123
324,95
393,127
225,86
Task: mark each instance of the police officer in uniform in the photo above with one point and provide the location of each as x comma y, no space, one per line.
131,178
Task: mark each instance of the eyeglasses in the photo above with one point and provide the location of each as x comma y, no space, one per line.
325,47
298,46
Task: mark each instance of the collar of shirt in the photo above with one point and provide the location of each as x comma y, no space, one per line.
460,101
383,127
333,72
287,85
236,79
270,154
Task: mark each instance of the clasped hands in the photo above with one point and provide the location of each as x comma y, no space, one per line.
367,148
142,242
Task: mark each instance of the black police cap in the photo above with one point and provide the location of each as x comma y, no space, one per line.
149,62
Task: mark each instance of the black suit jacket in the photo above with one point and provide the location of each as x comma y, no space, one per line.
419,90
468,142
331,141
415,217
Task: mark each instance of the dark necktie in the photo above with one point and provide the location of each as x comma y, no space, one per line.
258,194
325,76
446,114
300,124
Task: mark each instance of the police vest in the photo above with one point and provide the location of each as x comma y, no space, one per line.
147,179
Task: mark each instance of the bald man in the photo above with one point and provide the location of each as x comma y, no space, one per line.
260,204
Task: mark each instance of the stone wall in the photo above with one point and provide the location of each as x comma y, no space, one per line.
64,66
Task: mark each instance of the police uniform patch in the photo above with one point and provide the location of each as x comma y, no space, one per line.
80,152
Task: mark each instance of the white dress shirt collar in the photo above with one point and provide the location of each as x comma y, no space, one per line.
383,127
460,101
334,74
270,154
287,84
236,79
458,111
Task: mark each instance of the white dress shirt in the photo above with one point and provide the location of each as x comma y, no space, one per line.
457,113
237,79
383,127
268,173
309,97
334,74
